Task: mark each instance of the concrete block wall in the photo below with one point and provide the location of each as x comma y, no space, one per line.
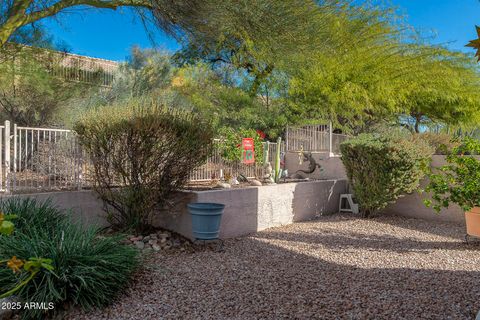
247,210
412,206
332,166
83,205
251,209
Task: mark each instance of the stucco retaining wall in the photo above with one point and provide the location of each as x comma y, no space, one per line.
84,205
332,166
247,209
252,209
412,206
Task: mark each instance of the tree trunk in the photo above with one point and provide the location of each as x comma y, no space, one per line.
417,124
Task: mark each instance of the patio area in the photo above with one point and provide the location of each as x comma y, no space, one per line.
338,266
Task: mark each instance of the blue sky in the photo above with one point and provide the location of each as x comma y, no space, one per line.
110,35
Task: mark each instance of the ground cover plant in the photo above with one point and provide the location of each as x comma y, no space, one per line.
383,166
61,262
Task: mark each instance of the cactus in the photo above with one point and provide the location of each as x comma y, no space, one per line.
277,172
265,152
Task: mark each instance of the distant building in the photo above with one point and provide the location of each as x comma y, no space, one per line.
72,67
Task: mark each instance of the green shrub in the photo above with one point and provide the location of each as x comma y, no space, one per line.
230,145
441,142
382,167
89,270
459,180
141,152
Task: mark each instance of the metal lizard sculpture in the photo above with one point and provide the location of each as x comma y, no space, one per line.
312,166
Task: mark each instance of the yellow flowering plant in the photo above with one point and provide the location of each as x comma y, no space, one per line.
19,266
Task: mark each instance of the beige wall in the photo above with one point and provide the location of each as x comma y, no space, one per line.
252,209
247,209
84,205
412,206
332,166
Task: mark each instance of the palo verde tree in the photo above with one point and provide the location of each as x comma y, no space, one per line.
30,93
170,16
260,36
350,82
203,24
373,74
443,89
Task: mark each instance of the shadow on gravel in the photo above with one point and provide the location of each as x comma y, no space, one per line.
455,231
255,279
353,240
259,277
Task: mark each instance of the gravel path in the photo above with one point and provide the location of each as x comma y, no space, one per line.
336,267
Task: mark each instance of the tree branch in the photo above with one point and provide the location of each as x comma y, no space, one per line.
18,16
61,5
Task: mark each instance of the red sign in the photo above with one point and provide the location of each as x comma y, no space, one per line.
248,151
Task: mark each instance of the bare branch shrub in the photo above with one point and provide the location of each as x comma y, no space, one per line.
142,152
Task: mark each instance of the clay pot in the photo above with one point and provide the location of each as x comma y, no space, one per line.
472,218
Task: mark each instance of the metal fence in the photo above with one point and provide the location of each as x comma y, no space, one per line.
216,167
314,138
70,67
40,159
47,159
84,69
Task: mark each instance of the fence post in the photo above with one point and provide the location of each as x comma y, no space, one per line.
286,139
330,139
6,162
14,156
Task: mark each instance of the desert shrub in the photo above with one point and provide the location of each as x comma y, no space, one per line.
89,270
141,152
441,142
382,167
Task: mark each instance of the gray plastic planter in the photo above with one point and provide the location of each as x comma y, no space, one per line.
206,218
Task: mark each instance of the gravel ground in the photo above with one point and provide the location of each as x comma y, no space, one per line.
336,267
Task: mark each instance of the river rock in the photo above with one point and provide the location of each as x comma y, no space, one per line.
140,244
255,182
223,185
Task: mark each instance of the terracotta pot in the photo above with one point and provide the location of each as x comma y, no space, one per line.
472,218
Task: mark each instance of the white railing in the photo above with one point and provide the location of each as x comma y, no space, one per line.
45,159
48,159
314,138
216,167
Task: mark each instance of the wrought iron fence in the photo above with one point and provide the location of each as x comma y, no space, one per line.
47,159
217,167
314,138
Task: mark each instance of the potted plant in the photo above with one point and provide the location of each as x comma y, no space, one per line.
459,182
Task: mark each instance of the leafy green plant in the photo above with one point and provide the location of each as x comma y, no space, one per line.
6,225
32,266
142,151
383,167
443,143
63,263
230,144
459,180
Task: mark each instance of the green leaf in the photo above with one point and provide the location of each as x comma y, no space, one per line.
6,228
